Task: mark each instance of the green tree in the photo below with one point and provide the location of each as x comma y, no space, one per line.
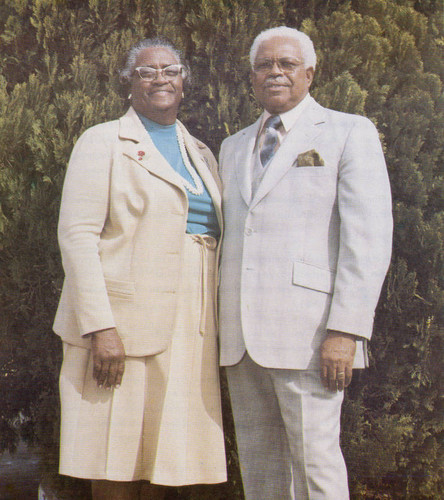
59,62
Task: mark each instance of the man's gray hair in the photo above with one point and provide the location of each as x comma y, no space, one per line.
308,51
159,42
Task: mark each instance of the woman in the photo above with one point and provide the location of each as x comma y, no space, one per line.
139,222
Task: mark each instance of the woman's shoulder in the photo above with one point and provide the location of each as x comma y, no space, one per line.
201,145
98,139
206,152
104,129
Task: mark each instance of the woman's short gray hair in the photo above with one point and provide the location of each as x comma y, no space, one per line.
308,51
130,63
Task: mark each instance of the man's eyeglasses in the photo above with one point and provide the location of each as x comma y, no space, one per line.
285,65
170,72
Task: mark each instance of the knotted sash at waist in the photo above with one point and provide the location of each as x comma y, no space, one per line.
206,243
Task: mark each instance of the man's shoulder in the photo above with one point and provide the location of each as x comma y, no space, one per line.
341,118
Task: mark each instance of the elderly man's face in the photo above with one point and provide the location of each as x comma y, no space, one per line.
159,99
280,80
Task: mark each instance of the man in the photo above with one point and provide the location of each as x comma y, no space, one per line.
307,244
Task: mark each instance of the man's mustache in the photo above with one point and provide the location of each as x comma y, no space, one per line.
270,82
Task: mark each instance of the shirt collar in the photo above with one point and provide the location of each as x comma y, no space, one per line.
290,117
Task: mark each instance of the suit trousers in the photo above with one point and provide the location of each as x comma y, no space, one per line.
287,429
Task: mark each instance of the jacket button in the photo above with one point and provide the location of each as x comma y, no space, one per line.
248,231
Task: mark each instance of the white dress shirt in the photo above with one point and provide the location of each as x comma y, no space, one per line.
289,118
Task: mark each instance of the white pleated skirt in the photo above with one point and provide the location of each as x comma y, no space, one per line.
164,423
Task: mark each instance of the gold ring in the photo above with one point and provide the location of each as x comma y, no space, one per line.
341,375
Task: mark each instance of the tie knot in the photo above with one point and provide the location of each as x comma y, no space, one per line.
273,121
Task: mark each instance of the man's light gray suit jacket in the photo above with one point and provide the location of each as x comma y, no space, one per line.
310,250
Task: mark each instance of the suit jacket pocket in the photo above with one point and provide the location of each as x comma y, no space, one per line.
313,277
311,170
118,288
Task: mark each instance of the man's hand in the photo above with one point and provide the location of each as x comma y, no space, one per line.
337,355
108,358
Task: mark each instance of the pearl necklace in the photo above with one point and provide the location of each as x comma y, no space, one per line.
199,189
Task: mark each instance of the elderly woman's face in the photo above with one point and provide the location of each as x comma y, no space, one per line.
159,99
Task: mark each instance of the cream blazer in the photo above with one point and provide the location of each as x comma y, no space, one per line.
121,233
310,249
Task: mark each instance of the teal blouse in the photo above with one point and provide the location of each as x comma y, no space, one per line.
202,217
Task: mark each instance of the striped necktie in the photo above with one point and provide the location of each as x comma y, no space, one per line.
271,139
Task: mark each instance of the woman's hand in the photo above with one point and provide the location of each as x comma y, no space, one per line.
108,358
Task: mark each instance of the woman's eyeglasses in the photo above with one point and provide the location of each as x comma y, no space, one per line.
169,72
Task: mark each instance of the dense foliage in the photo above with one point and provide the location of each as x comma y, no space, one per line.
381,58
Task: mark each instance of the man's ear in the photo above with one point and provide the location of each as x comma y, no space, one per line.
309,74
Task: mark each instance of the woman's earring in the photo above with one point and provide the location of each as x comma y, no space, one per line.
183,95
130,96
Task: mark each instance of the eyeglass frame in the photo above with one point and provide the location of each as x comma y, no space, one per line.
161,71
295,63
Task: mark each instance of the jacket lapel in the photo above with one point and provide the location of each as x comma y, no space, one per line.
243,157
298,140
136,140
